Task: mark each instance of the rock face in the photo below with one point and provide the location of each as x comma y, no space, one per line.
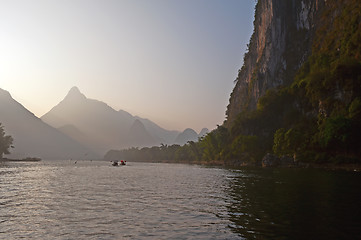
270,160
281,42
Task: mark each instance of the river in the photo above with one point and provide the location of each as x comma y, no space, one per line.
93,200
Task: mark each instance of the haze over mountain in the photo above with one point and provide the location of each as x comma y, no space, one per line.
33,137
101,128
185,136
203,132
190,135
138,135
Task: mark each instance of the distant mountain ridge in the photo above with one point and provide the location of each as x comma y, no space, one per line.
187,135
104,127
33,137
139,136
80,128
203,132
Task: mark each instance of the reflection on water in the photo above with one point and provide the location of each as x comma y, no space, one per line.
92,200
295,204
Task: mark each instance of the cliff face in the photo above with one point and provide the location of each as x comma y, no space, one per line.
280,44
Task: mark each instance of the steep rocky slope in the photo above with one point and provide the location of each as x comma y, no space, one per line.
280,44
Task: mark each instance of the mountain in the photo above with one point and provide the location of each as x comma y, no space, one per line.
161,134
74,133
138,136
33,137
281,42
185,136
297,96
102,127
203,132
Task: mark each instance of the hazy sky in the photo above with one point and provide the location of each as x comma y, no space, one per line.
172,61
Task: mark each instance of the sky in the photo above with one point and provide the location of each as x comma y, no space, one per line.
171,61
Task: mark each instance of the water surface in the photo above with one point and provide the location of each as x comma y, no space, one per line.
93,200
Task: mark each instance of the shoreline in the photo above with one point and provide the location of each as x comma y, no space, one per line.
350,167
20,160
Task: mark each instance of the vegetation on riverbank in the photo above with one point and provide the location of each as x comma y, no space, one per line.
6,142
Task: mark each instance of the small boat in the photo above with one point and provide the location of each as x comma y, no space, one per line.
116,163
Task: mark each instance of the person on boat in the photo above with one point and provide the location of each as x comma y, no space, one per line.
115,163
122,162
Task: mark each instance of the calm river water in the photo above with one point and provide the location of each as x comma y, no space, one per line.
93,200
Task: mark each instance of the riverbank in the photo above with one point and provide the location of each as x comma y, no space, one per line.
236,164
332,166
28,159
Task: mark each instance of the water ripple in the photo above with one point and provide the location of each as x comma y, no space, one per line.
92,200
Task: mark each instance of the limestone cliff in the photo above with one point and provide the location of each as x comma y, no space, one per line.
280,44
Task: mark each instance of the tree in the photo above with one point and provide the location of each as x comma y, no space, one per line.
245,148
6,142
214,144
288,142
336,134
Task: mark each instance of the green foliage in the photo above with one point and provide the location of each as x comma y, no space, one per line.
245,148
6,142
319,114
214,144
331,79
279,146
355,110
335,133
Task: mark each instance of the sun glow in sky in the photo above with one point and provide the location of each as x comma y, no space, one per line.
171,61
